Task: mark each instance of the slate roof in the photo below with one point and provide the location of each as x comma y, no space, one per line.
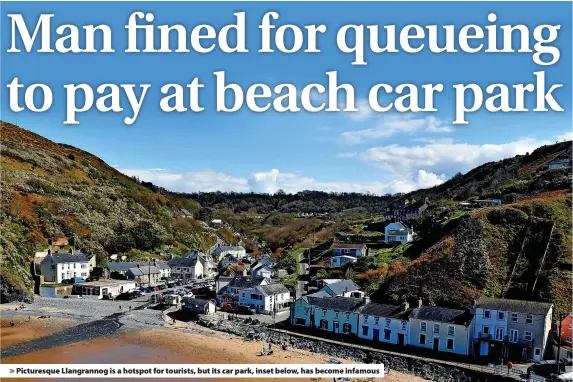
185,262
272,289
161,264
401,225
342,287
245,282
195,301
60,258
231,248
320,293
143,271
440,314
341,304
386,311
518,306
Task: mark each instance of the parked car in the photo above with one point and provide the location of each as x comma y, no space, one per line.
567,361
545,368
227,307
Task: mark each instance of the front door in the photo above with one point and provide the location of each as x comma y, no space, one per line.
436,343
401,339
376,334
335,327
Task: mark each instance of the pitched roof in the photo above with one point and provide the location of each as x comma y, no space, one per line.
440,314
518,306
143,271
231,248
385,310
400,224
245,282
185,262
272,289
349,246
60,258
124,266
341,304
342,287
195,301
320,293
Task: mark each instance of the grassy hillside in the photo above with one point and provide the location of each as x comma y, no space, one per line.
52,191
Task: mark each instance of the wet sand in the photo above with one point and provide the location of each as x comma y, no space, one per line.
25,329
163,346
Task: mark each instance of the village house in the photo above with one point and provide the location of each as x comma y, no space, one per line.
233,270
512,330
119,269
144,274
266,299
58,267
332,314
565,348
441,329
222,251
104,289
262,270
198,306
385,323
236,291
339,261
356,250
343,288
186,268
209,267
398,232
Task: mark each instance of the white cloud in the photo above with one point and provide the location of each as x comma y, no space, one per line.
364,111
273,180
390,125
568,136
444,157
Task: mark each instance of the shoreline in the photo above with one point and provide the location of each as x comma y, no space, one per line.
180,343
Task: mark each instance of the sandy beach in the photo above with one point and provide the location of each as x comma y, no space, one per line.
26,329
157,346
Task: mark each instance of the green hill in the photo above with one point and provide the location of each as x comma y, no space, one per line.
53,191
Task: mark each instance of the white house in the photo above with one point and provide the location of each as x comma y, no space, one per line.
513,330
104,288
238,290
186,268
262,270
339,261
385,323
441,329
58,267
198,306
207,263
398,232
223,250
343,288
266,299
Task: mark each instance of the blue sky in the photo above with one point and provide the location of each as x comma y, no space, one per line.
247,151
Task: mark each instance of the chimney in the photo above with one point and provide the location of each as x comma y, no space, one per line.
49,251
418,303
71,251
404,306
366,299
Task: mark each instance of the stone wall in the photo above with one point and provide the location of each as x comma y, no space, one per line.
424,368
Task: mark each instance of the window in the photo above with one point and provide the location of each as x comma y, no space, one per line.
451,330
513,335
568,339
436,328
376,320
538,352
500,315
84,266
324,324
486,314
365,318
300,321
529,319
422,339
404,325
335,314
450,344
499,334
387,334
485,330
388,321
348,316
513,317
365,330
324,312
569,353
527,336
346,328
422,326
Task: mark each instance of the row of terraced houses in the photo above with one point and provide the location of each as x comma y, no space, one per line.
493,329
